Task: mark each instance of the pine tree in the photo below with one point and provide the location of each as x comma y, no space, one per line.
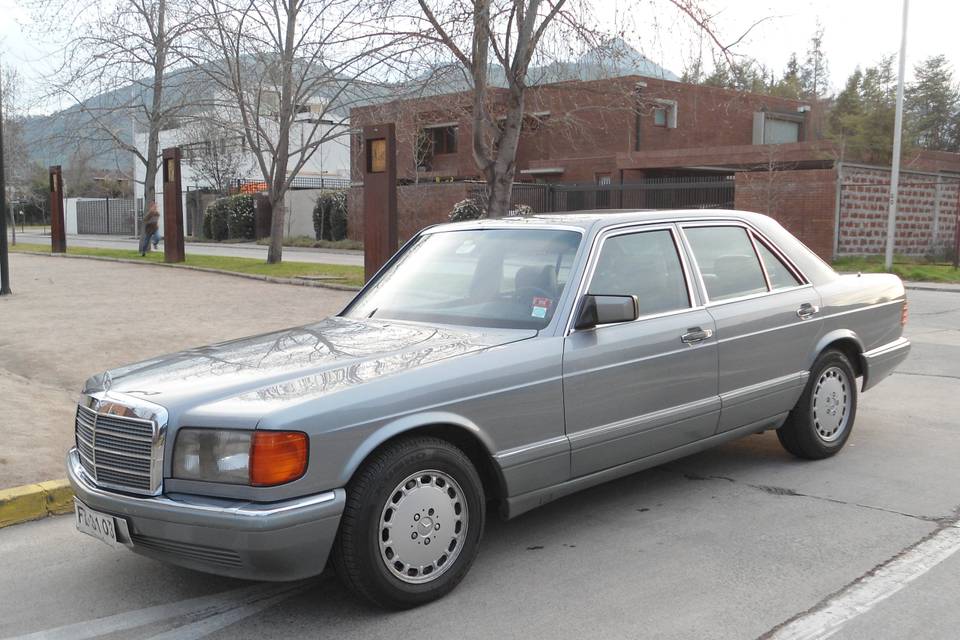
788,86
932,106
815,73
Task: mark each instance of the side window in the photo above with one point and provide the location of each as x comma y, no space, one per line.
727,261
780,276
645,265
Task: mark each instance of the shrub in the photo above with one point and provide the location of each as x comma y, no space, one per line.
231,217
330,215
241,220
469,209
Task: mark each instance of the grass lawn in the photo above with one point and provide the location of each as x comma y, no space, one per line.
918,271
346,274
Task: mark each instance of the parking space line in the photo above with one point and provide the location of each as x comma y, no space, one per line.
878,585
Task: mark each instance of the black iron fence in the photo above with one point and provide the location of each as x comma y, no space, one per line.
687,192
107,216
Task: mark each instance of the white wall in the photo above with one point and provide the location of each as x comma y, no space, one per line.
70,216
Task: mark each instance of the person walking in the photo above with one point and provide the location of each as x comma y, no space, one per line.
151,229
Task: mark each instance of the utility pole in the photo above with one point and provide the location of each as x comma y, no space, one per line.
4,258
897,134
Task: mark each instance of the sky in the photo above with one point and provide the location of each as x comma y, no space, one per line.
856,33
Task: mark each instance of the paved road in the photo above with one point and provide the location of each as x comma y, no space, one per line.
731,543
244,250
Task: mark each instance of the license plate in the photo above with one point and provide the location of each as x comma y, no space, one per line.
101,526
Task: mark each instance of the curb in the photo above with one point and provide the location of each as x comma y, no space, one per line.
249,276
35,501
948,289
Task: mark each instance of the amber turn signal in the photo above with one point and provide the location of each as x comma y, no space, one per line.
277,457
904,313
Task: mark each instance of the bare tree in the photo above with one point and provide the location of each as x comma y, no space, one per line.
122,72
215,152
287,72
15,156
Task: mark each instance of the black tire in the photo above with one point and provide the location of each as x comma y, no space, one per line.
357,555
802,434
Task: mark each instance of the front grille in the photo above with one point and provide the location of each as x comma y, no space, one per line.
117,451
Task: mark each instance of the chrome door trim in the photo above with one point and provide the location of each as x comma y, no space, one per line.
594,256
629,426
741,394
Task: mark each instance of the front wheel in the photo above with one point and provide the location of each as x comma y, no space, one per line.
412,523
820,423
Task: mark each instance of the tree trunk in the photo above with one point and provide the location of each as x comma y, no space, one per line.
275,252
156,115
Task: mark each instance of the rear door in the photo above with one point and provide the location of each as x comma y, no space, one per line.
766,316
637,388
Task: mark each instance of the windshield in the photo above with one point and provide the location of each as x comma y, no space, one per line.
503,278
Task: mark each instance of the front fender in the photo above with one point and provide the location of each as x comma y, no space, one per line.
406,424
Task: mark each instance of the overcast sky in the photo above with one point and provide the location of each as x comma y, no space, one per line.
856,32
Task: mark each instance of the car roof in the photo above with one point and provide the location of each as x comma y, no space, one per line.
599,219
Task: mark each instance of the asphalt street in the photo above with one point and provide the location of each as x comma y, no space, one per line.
237,250
739,542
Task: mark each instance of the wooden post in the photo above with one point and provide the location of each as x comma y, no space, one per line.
379,196
172,207
58,230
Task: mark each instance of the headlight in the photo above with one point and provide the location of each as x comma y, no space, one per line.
258,458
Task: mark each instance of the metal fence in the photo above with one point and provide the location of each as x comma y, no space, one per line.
246,185
688,192
107,216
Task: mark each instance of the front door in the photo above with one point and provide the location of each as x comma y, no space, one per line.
638,388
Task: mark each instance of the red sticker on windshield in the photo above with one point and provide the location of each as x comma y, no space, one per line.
542,302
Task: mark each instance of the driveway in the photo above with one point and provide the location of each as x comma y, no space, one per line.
728,544
69,319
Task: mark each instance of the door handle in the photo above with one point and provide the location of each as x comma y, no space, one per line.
807,310
695,335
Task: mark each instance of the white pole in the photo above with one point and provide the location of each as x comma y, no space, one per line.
897,131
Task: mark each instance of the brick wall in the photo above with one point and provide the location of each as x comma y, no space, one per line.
801,200
926,214
418,206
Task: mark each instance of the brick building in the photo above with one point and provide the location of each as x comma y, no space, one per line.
621,135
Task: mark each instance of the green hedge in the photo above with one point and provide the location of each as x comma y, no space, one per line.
230,218
330,215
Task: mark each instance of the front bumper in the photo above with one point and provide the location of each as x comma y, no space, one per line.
285,540
880,362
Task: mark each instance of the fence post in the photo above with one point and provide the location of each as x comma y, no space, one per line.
58,234
107,207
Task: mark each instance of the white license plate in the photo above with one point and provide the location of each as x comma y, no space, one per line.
101,526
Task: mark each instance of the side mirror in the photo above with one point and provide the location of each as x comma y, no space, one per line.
597,310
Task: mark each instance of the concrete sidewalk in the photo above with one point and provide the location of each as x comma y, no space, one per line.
237,250
69,319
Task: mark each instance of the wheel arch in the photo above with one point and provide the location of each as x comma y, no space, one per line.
847,342
475,443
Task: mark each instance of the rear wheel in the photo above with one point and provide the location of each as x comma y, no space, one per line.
412,523
820,423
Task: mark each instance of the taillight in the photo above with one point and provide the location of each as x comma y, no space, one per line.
277,457
904,313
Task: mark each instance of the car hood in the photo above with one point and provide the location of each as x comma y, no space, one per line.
330,355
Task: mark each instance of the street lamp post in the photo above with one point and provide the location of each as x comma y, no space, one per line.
4,258
897,133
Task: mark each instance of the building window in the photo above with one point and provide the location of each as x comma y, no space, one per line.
660,117
776,128
443,139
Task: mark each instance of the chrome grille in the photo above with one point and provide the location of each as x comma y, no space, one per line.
118,451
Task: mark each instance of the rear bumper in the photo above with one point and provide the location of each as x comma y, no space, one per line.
275,541
880,362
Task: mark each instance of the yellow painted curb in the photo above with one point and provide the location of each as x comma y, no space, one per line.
34,501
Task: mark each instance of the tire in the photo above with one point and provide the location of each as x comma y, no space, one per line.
412,493
820,423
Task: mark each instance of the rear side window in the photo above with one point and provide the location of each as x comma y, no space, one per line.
645,265
727,262
780,276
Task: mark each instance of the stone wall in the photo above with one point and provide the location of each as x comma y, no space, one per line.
926,212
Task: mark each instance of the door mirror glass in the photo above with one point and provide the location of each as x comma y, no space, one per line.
597,310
